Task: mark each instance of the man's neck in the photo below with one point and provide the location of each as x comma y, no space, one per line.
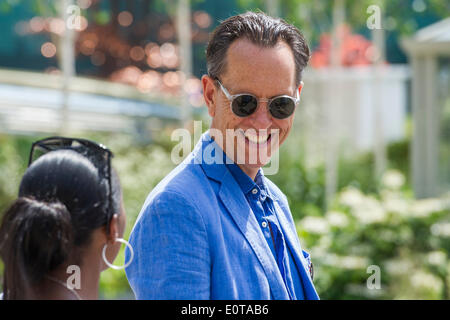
251,172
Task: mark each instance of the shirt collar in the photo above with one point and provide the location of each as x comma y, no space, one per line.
243,180
261,182
246,183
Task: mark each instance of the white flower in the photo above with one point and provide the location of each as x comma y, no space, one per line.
322,248
314,225
393,179
353,262
346,262
370,211
423,279
441,229
425,207
437,258
351,197
397,205
337,219
398,266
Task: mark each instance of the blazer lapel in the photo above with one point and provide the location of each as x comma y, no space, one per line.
242,214
297,253
240,211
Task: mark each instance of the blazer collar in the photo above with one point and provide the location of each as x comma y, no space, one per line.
209,155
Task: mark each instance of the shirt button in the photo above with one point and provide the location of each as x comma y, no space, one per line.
255,191
264,224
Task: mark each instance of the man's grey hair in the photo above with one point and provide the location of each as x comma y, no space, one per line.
260,29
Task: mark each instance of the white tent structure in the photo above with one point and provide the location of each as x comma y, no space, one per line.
429,53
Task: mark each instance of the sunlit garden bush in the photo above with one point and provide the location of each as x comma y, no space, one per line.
407,239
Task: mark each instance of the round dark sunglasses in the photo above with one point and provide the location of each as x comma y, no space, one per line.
245,104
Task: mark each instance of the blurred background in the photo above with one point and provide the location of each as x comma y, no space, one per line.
366,168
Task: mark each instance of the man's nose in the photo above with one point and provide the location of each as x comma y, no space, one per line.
262,119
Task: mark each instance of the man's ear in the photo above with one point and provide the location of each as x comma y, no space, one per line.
209,90
300,87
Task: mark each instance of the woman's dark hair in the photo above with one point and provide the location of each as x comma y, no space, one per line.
260,29
63,198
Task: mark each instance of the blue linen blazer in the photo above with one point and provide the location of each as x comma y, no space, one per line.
196,237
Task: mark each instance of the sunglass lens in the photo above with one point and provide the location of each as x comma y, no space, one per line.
244,105
282,107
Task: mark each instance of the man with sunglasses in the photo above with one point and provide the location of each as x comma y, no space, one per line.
216,227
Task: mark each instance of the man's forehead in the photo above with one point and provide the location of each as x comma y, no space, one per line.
247,62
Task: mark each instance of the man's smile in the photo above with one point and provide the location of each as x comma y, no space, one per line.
256,138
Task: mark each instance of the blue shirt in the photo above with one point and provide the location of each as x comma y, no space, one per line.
261,201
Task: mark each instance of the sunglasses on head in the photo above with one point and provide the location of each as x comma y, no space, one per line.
98,154
245,104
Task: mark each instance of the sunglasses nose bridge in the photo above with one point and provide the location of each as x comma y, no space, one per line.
262,115
263,104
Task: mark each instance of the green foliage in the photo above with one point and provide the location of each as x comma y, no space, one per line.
304,187
102,17
13,162
315,17
407,239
